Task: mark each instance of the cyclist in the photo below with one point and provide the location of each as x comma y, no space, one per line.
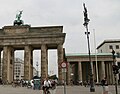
46,86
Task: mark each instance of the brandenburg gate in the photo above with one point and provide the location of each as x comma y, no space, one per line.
27,38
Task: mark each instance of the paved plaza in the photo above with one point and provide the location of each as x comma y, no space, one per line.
6,89
84,90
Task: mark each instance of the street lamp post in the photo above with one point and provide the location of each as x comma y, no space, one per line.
86,21
114,71
37,67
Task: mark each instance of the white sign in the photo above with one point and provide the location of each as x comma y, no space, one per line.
64,70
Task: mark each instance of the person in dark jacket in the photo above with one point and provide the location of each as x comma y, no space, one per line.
104,85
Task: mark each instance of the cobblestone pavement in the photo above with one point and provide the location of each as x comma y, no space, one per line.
59,90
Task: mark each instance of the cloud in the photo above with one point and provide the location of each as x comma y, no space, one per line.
104,18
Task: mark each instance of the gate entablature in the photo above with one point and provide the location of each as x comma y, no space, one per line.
26,35
28,38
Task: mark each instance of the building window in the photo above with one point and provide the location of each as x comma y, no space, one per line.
19,71
117,46
110,47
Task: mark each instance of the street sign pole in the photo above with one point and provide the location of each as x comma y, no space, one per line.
64,66
64,80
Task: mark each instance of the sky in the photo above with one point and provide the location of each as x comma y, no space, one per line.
104,22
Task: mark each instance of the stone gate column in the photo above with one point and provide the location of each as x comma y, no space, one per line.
110,72
102,70
60,59
0,65
68,74
8,62
28,63
80,71
97,75
94,71
44,61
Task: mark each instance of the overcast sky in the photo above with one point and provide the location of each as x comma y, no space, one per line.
104,18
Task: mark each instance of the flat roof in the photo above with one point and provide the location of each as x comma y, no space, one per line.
109,41
86,54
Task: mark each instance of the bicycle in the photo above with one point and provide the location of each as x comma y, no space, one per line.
46,90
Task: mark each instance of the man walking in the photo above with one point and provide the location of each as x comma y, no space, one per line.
105,85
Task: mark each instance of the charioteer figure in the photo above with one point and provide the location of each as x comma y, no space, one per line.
18,21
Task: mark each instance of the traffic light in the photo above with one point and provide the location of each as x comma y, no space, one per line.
115,69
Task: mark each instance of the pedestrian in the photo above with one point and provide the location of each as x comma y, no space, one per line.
80,82
104,84
85,83
71,81
53,84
